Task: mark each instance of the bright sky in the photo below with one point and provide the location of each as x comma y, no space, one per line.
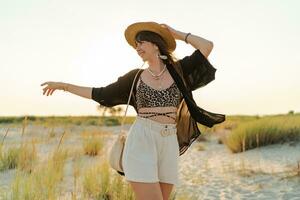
256,51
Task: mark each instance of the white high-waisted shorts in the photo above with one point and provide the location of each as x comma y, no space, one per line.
151,152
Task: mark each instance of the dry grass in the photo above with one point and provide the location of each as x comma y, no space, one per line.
95,182
51,133
92,144
44,180
100,182
262,132
76,175
24,124
230,123
9,158
27,157
63,120
22,157
98,133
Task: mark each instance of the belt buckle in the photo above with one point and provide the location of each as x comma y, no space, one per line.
166,131
163,132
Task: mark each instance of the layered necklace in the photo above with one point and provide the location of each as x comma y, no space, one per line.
157,76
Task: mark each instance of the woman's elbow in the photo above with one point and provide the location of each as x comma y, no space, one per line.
209,48
211,45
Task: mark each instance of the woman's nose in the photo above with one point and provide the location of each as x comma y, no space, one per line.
137,46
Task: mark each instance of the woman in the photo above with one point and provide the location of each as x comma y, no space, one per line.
166,123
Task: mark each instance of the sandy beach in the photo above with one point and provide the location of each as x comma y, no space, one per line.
212,172
264,173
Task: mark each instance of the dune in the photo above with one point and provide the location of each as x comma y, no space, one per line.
212,173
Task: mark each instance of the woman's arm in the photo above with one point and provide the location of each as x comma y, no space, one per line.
205,46
85,92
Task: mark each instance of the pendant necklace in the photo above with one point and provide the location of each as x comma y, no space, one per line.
157,77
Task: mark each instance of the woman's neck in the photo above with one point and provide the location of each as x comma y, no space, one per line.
156,65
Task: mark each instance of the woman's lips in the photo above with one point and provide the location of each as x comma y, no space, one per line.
140,52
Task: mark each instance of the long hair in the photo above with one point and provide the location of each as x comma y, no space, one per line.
156,39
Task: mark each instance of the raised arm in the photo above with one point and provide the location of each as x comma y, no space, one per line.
85,92
204,45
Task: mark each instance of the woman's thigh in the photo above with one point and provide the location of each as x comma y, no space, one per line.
146,191
166,190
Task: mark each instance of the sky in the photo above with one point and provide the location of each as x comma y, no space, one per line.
256,51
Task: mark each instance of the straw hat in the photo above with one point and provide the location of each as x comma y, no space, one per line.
134,28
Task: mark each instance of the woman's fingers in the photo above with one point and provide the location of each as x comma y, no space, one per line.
166,26
44,83
48,92
51,87
44,90
172,30
51,92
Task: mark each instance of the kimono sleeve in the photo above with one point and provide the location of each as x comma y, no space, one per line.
115,93
197,70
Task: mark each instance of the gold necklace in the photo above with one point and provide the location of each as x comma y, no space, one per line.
156,77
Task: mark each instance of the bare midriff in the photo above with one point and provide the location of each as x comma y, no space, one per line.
159,118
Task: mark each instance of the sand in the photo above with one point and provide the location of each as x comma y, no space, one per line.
269,172
264,173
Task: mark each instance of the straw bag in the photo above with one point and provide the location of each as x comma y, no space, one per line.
116,152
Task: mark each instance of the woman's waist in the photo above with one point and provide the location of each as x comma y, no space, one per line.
165,109
159,114
155,125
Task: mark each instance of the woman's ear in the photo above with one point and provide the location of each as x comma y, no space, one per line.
155,47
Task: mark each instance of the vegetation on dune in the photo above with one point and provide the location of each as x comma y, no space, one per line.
44,179
264,131
72,120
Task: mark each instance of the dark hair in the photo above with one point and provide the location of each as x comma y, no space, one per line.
156,39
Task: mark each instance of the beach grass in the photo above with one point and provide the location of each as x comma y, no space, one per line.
264,131
43,181
9,158
47,179
62,120
27,156
230,123
93,141
99,182
92,145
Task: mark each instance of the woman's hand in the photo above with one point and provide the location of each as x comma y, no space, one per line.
52,86
205,46
176,34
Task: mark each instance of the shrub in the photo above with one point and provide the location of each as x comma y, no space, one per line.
262,132
92,145
111,122
27,157
100,183
9,158
43,182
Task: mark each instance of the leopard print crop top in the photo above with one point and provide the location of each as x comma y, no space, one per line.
147,96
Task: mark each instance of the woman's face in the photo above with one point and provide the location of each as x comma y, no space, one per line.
146,50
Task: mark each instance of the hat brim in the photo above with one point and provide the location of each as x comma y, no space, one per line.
133,29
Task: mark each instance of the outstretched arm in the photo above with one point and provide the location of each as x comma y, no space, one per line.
85,92
204,45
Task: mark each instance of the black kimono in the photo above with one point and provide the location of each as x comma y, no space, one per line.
189,73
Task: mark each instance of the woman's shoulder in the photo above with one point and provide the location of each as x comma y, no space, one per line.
131,73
